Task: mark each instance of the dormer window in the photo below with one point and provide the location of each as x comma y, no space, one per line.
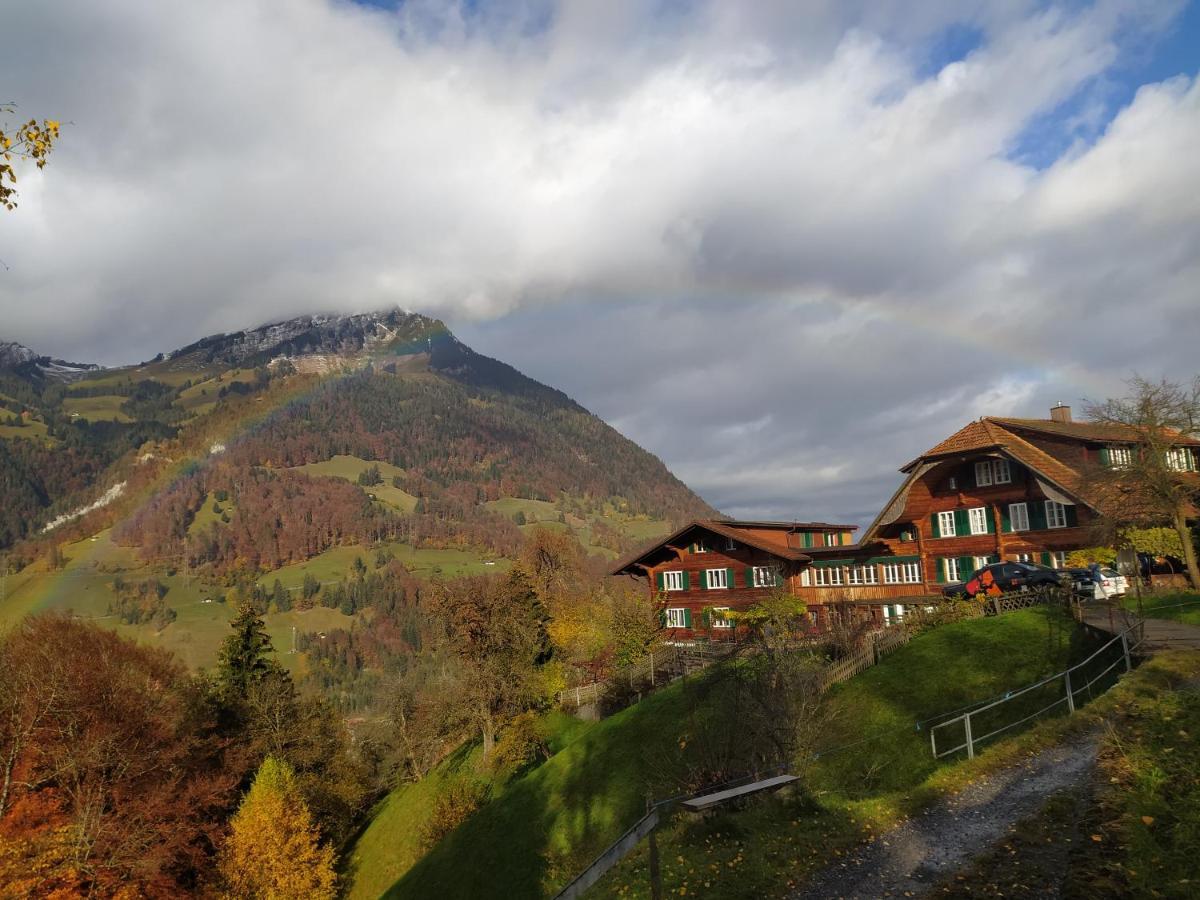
832,539
1119,457
992,471
730,544
700,546
1179,459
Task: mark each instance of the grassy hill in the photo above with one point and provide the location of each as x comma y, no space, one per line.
542,828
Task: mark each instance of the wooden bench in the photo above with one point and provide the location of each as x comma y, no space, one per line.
707,801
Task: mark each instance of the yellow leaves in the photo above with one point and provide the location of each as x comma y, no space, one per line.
1097,838
29,141
1147,820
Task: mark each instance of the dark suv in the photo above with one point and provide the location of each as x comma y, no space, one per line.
1002,577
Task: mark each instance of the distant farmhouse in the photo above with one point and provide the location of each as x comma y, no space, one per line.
998,489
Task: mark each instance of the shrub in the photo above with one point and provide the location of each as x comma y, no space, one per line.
520,745
458,800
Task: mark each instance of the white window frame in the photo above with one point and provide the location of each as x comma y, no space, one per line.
980,562
673,580
717,620
980,513
720,575
1018,522
832,538
1056,514
950,569
943,519
806,578
891,573
1120,457
699,546
860,575
765,576
983,473
1001,472
1058,559
1179,459
910,572
829,576
676,617
1026,558
730,544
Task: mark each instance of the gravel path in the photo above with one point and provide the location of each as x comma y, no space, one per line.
922,851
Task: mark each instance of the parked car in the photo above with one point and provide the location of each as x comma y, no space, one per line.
1003,577
1120,584
1098,583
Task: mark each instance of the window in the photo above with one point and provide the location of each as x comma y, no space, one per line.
891,573
950,569
677,617
717,579
672,581
1120,457
946,523
978,517
952,483
1056,514
832,539
980,562
828,576
892,612
1018,516
863,575
730,544
765,576
1058,559
1179,459
701,546
992,471
806,578
1024,558
718,619
911,572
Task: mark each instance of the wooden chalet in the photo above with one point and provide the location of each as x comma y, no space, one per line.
1007,489
711,566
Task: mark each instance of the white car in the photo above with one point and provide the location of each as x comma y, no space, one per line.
1113,583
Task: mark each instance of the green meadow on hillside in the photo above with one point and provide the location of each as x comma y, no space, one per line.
96,409
542,828
543,514
351,467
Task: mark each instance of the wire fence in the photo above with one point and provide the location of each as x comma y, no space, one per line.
1060,694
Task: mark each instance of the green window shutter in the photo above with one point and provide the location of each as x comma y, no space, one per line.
691,548
1005,519
703,579
705,619
778,576
991,520
1037,515
1072,515
966,565
941,571
841,538
660,580
687,581
962,522
749,578
806,538
1045,557
1105,457
687,617
933,526
729,578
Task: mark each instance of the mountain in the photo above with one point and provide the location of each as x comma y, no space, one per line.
253,455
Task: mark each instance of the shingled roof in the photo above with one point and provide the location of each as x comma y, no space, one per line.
729,529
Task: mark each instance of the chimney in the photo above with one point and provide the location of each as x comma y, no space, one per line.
1060,412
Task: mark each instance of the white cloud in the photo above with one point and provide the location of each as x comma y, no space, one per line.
728,195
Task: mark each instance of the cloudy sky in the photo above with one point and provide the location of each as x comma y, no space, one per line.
784,245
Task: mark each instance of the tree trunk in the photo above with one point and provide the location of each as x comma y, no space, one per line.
1189,548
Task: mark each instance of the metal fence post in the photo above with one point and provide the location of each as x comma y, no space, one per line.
1125,650
1070,694
970,740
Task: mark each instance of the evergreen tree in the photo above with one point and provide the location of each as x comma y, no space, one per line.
273,850
245,655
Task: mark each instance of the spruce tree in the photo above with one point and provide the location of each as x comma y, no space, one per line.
245,655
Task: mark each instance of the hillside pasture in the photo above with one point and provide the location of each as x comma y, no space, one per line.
32,430
95,409
350,468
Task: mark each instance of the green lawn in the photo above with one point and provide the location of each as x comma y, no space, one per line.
338,563
32,430
543,828
1178,606
350,467
544,514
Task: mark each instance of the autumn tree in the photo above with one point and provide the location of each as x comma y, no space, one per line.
496,628
273,851
31,140
113,767
1154,481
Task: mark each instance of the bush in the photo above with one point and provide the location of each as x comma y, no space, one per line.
460,798
520,745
